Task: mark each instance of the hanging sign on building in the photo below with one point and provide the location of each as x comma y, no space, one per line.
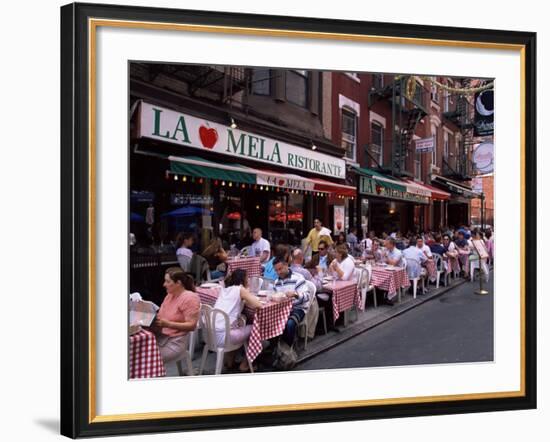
484,113
185,130
286,182
483,158
339,219
424,145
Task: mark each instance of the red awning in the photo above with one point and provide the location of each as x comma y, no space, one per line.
425,189
438,194
339,189
292,181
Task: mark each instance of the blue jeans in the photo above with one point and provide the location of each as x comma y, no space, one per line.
289,334
215,274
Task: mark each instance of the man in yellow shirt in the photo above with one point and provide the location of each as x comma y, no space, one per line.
317,234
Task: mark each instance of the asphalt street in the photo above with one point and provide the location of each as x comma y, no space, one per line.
455,327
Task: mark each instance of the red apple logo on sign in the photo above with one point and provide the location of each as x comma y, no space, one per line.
281,182
208,136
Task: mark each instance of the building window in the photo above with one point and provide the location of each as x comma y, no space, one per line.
349,133
445,146
377,81
418,95
446,101
434,91
377,142
296,86
418,166
435,136
261,82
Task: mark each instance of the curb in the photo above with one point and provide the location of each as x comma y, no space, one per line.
354,330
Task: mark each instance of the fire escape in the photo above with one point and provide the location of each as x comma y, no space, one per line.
460,112
225,84
408,109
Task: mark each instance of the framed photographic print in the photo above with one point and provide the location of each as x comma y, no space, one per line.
274,220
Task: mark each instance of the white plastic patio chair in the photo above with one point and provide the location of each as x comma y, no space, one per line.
208,316
440,269
363,287
370,288
186,357
245,251
421,278
474,264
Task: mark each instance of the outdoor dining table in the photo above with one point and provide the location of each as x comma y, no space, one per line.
251,264
344,296
269,322
144,356
390,279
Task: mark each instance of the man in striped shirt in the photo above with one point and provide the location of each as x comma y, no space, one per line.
294,286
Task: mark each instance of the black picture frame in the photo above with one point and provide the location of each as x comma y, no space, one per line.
76,418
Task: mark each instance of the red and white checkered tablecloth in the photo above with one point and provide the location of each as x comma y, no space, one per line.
344,296
145,360
429,265
389,279
250,263
269,321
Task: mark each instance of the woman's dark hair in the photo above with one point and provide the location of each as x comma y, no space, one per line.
437,237
176,274
488,233
342,249
214,247
182,236
341,236
237,277
282,251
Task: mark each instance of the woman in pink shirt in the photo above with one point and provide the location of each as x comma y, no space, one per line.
178,314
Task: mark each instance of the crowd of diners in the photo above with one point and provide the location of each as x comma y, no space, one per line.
288,268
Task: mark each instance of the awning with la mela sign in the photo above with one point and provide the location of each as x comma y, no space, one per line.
243,175
182,129
379,185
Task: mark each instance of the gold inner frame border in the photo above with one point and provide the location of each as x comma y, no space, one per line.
93,24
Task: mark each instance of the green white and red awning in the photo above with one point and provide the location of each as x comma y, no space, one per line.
236,173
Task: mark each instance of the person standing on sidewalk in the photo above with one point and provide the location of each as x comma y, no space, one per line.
314,236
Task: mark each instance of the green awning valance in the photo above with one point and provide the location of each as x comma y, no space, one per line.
381,179
213,171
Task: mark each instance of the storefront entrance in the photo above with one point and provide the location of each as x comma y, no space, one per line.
457,213
279,215
390,216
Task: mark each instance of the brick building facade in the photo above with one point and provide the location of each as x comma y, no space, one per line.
377,119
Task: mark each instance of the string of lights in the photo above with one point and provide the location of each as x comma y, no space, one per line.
233,184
